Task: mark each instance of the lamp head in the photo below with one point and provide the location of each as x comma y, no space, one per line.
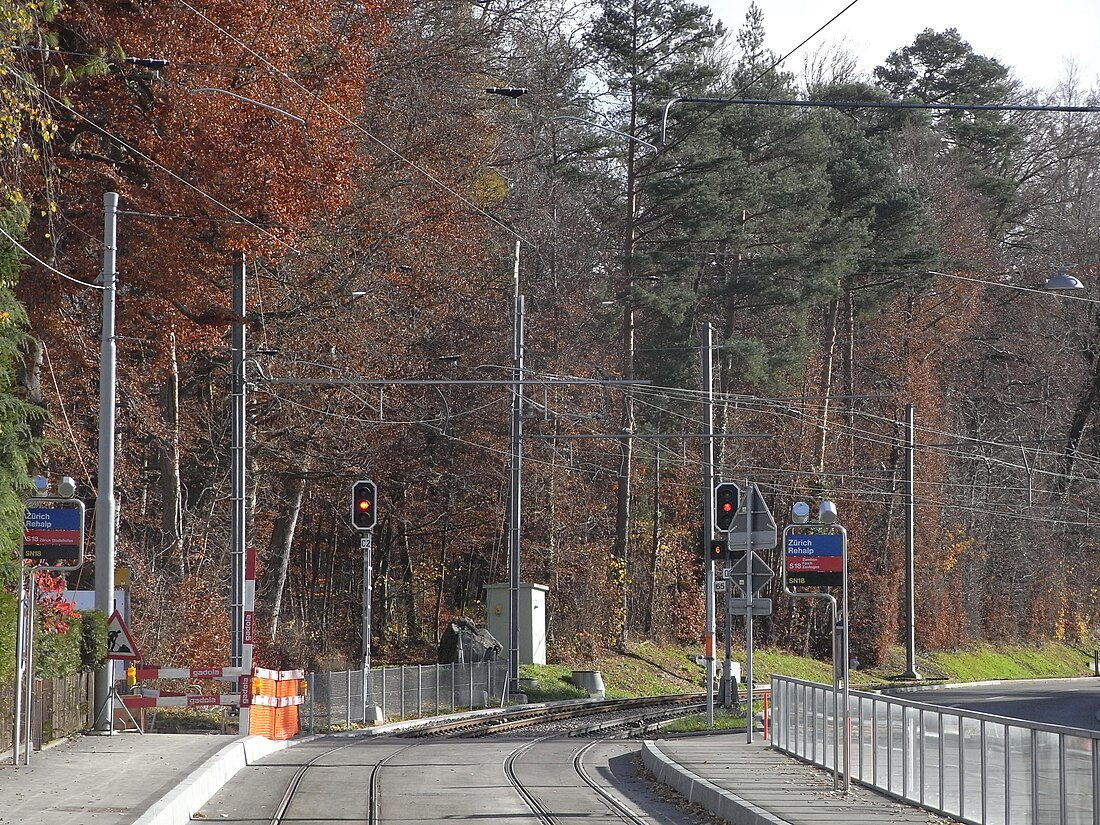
800,512
41,485
66,488
826,512
506,91
1063,281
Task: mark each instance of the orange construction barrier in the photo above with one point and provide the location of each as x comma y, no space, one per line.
276,695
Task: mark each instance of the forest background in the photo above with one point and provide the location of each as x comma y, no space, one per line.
851,261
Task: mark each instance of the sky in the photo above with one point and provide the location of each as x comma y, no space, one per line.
1035,39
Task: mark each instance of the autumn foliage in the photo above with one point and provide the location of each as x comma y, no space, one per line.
387,211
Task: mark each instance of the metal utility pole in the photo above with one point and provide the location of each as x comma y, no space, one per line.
750,508
105,483
910,518
366,548
238,470
705,354
515,488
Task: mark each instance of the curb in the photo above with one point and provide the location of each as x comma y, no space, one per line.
987,683
694,788
176,807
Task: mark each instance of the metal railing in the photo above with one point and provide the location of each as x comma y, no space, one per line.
977,767
342,698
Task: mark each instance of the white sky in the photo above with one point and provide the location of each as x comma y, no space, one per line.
1035,39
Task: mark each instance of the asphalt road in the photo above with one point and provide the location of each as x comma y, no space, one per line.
1070,702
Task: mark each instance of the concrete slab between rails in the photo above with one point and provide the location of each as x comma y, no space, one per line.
195,789
697,790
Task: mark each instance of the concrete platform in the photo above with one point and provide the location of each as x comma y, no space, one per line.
754,785
124,779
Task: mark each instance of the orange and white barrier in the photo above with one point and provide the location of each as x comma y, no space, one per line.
276,695
147,698
224,673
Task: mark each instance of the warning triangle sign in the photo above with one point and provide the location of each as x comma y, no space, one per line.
120,644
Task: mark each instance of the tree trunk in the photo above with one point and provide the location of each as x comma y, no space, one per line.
408,578
282,542
168,459
655,542
827,380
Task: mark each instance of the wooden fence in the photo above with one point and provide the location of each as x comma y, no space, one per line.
61,707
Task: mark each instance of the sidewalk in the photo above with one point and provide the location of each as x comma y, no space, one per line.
755,785
125,779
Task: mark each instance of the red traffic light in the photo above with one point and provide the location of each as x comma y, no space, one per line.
363,495
727,496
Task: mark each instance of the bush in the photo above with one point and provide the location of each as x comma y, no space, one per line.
93,640
8,609
82,648
57,654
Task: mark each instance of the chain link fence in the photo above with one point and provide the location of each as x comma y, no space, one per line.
982,769
341,699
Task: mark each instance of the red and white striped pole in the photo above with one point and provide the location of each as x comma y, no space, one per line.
248,625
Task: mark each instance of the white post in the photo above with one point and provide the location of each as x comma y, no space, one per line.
20,665
29,690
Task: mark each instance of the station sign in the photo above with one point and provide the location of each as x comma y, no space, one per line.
53,534
814,560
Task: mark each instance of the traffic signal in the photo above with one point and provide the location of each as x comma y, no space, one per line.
364,495
727,497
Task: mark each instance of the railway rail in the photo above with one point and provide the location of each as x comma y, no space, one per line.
632,711
551,745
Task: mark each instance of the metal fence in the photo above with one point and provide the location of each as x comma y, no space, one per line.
977,767
341,698
60,708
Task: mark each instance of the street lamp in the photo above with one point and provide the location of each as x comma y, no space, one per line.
1063,281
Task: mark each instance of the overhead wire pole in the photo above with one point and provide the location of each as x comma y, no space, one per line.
910,547
240,630
515,486
707,370
105,484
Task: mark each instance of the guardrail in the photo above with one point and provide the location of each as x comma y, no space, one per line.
344,697
977,767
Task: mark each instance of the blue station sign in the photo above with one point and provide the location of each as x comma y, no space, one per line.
814,560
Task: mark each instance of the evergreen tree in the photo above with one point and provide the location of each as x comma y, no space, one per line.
942,68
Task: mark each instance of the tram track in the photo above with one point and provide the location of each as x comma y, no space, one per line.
329,796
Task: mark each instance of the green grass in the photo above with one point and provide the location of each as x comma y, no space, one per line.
649,669
1001,662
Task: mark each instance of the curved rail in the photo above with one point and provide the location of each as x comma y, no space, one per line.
527,717
514,720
